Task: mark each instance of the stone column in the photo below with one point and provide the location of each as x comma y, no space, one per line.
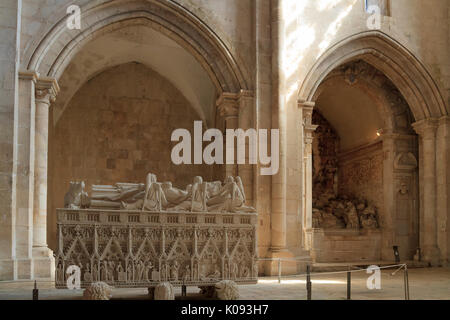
237,112
443,188
24,186
228,108
263,119
247,121
308,130
278,248
427,131
46,91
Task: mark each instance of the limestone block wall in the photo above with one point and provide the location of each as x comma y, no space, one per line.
118,128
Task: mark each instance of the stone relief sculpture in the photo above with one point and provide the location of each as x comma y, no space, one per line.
332,210
154,196
344,213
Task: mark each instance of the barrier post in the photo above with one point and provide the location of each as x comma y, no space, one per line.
279,270
349,283
35,291
406,282
308,282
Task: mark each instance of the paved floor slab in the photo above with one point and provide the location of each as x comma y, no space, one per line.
425,284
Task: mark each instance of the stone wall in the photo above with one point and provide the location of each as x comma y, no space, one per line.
118,128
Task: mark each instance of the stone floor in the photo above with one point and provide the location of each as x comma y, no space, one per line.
425,284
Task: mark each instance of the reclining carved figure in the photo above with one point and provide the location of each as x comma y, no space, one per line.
200,196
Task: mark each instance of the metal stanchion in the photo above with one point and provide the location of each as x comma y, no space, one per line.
35,291
349,284
308,282
406,282
279,270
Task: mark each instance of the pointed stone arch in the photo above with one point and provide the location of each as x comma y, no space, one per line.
422,92
52,54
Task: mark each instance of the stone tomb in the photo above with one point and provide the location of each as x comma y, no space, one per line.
143,247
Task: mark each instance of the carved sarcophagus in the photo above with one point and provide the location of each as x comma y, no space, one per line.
135,248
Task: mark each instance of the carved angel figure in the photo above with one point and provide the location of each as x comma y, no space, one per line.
230,198
155,198
76,197
197,196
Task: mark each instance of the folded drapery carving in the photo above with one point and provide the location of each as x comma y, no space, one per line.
200,196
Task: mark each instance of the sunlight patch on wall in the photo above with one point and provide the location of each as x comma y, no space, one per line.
326,4
298,38
334,27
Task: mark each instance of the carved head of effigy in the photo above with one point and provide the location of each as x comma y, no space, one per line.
229,179
198,180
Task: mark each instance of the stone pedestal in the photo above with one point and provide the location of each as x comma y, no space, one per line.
345,245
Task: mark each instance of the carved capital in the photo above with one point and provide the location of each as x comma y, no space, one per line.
426,128
228,105
46,90
308,127
307,111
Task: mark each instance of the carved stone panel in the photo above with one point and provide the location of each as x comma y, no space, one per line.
142,248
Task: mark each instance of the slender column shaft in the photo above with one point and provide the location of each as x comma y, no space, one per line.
443,188
427,131
228,109
46,90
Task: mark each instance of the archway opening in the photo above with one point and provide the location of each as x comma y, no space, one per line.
363,203
122,95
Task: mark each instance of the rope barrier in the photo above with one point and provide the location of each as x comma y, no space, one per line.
338,272
349,272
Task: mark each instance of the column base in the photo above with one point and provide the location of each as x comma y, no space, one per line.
43,263
288,267
8,269
36,268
